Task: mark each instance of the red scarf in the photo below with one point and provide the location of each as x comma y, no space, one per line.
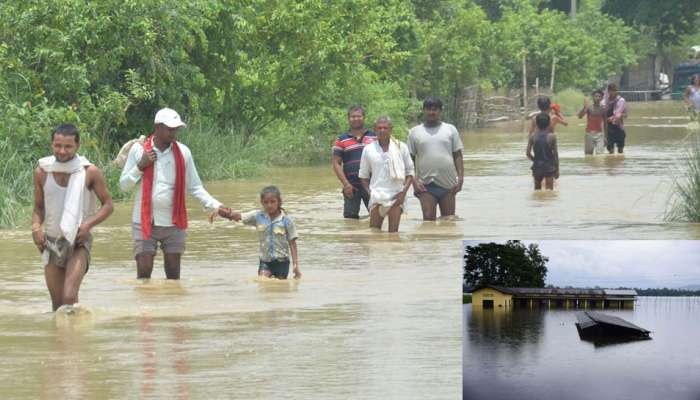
179,210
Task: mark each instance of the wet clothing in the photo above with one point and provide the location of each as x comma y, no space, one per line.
433,148
278,268
349,149
351,206
54,199
595,118
59,251
436,191
274,235
171,238
595,143
386,170
595,125
544,164
616,132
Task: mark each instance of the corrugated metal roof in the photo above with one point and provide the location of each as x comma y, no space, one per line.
609,319
621,292
559,291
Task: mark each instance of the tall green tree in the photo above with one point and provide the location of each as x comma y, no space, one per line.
268,59
510,265
667,21
660,25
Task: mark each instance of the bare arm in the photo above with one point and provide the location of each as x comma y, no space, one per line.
295,258
338,169
38,212
96,183
686,96
417,186
559,120
584,110
365,184
459,166
528,150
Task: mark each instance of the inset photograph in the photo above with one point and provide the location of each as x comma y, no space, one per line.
577,319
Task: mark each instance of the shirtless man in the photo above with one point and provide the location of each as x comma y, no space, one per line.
65,187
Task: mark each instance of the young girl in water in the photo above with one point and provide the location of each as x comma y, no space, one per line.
277,236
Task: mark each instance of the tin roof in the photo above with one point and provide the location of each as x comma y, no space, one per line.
620,292
558,291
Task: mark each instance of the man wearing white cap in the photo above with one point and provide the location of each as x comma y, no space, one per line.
165,170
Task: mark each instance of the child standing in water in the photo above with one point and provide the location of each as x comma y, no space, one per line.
277,235
545,161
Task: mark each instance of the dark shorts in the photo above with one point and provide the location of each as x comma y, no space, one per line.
540,173
438,192
278,268
60,251
616,137
351,207
171,238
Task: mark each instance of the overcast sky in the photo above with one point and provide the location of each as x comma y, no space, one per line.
629,263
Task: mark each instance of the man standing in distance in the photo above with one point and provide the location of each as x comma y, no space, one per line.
163,169
616,114
347,153
65,186
437,152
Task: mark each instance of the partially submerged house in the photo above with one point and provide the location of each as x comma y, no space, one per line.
489,296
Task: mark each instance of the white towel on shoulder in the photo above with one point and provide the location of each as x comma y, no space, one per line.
397,168
72,215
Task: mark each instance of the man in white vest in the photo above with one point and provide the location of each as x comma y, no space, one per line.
65,187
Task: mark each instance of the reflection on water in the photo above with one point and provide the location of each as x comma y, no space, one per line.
366,321
538,354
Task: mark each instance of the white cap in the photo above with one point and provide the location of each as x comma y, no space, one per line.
169,117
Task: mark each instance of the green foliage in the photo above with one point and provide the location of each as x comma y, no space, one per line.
268,81
510,265
587,49
466,299
571,101
667,22
685,203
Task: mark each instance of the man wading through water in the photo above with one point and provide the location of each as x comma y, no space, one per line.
163,169
437,152
65,186
347,153
616,114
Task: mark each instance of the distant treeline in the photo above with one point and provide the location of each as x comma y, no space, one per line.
667,292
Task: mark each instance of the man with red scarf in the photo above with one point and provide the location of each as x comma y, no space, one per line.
165,170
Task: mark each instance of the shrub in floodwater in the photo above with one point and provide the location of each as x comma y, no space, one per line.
684,205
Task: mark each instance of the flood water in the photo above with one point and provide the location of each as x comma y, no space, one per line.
375,316
537,354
